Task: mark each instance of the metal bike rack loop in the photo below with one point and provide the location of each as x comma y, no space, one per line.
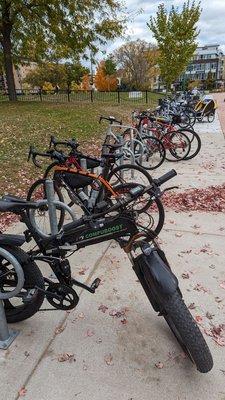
8,335
53,205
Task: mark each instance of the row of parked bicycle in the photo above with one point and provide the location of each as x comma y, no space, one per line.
190,108
83,200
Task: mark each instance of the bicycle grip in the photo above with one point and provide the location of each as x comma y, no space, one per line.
166,177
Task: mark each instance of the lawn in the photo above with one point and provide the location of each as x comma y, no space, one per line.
23,123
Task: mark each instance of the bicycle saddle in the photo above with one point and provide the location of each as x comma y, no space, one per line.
15,204
16,240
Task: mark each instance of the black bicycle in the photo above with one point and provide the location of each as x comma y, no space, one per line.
117,222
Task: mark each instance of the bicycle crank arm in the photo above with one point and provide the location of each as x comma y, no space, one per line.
95,284
46,292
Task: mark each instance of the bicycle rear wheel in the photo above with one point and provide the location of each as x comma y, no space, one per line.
154,153
195,143
37,192
179,147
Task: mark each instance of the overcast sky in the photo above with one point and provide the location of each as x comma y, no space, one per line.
211,24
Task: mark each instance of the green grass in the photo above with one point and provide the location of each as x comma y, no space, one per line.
26,123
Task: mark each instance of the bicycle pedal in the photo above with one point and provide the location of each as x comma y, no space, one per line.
95,284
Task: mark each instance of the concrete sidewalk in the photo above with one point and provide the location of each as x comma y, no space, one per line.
113,339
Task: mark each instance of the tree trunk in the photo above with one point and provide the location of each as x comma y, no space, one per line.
8,63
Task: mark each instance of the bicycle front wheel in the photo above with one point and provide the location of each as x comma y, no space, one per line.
177,316
129,173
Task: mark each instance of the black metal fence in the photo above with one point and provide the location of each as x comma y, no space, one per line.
90,96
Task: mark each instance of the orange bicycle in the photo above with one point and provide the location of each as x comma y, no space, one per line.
92,192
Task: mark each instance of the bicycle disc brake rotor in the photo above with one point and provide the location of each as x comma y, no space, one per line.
62,297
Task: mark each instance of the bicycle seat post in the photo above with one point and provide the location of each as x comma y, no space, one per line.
83,164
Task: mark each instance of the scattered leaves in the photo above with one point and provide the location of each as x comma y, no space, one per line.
66,357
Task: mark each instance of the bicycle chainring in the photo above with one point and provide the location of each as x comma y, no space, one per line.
62,297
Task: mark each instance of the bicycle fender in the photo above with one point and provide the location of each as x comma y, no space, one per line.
158,274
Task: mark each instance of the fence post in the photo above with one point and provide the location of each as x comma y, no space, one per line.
40,94
118,96
68,94
146,96
92,96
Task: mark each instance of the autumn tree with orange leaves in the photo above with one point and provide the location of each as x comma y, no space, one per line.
105,77
85,83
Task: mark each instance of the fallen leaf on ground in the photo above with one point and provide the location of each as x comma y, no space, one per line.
198,319
59,329
66,357
22,392
222,285
108,359
103,308
220,341
89,333
185,275
209,315
192,306
218,299
118,313
201,288
159,365
196,226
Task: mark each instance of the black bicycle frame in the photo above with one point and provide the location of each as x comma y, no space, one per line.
82,233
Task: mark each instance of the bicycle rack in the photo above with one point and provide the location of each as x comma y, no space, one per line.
7,335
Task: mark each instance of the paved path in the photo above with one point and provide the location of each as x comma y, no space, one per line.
220,98
114,357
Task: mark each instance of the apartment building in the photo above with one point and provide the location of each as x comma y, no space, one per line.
20,72
207,60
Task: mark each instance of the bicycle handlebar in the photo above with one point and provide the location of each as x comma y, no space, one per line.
53,154
166,177
111,119
72,143
134,194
